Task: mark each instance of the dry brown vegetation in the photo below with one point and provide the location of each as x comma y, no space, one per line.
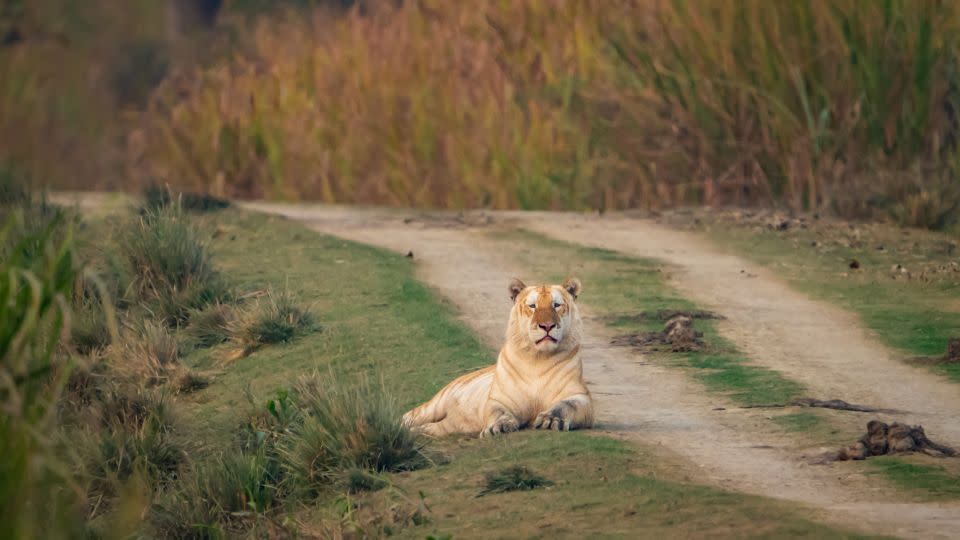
848,105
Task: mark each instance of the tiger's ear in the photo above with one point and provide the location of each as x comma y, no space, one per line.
572,285
515,287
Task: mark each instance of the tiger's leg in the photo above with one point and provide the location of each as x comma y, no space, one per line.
498,419
430,412
571,412
442,428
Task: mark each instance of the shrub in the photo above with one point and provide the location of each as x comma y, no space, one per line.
32,227
347,425
572,105
275,318
156,197
13,192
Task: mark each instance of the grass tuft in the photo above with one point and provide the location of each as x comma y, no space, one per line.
189,381
275,318
516,478
217,497
128,435
170,264
210,326
360,480
89,327
347,425
149,354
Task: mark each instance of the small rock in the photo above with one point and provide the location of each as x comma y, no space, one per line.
854,264
953,350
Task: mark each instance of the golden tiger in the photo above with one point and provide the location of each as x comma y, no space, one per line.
537,380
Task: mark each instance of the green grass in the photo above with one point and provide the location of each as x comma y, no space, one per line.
932,481
619,288
915,315
602,488
276,318
801,421
744,383
347,423
377,318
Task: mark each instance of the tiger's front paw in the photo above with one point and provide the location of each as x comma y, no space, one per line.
557,419
503,424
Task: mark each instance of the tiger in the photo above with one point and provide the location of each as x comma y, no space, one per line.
536,382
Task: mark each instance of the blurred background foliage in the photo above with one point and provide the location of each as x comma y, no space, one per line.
849,106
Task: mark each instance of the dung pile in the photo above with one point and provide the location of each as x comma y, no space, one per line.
678,334
884,439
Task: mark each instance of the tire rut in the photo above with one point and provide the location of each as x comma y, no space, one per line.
638,400
819,345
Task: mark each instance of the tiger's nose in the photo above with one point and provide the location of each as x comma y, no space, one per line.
547,327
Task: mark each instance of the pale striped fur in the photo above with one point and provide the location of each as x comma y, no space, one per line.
538,378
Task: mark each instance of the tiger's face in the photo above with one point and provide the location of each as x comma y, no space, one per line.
545,318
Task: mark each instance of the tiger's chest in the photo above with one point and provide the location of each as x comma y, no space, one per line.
531,389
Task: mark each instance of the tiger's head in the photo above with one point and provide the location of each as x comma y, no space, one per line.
545,318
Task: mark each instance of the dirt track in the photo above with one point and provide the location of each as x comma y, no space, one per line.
819,345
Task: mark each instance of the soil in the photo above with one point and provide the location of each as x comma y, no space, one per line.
818,345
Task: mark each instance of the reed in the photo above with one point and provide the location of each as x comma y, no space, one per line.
842,105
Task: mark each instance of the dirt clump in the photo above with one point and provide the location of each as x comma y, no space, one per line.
884,439
951,356
679,334
953,351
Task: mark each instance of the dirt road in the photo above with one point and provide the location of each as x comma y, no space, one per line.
819,345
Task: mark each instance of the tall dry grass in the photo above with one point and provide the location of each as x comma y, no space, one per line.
416,106
613,104
69,76
842,103
849,105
